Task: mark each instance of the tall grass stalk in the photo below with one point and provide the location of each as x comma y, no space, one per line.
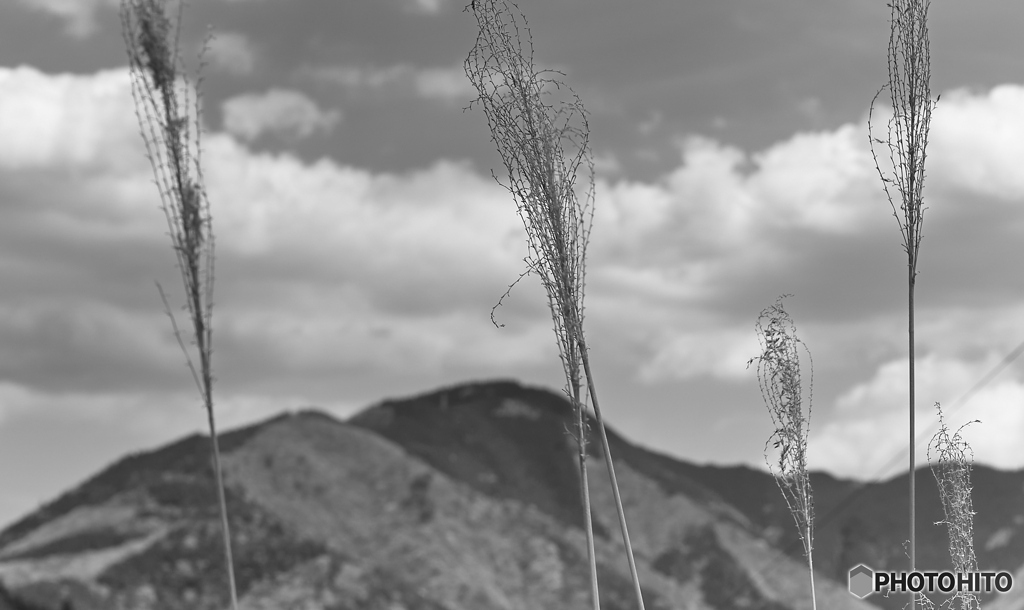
909,88
778,374
952,471
543,146
163,103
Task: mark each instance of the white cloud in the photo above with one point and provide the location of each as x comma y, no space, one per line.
680,224
285,113
332,273
378,270
721,353
723,216
375,225
667,248
379,264
824,182
817,181
233,53
866,436
712,209
64,119
977,141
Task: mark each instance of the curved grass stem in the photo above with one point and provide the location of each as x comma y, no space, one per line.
606,449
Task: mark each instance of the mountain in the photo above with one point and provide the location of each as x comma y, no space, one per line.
464,498
10,602
858,522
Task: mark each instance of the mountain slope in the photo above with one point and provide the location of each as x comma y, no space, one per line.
464,498
865,523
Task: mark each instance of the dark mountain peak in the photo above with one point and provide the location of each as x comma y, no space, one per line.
483,395
308,414
512,441
502,438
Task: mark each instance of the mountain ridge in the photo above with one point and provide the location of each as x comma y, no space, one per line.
460,497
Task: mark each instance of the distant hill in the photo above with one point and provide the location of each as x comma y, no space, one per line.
9,601
464,498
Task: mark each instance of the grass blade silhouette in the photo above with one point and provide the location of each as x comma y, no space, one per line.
778,374
952,471
909,86
172,140
543,146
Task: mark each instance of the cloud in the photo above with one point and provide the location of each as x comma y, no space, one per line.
284,113
819,182
866,436
669,249
711,205
607,164
442,84
321,268
414,237
713,352
354,77
426,7
154,416
331,276
63,120
976,141
816,181
233,53
83,343
80,15
726,227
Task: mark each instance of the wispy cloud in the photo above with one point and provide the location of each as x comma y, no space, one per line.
427,7
448,84
281,112
79,15
233,53
873,414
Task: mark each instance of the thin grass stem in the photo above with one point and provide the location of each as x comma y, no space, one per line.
779,376
543,146
909,86
606,449
174,151
952,472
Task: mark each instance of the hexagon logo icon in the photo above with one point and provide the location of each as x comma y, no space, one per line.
861,578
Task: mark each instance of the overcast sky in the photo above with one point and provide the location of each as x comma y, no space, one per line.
362,241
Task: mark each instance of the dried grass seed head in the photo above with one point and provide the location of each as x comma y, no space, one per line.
540,129
779,378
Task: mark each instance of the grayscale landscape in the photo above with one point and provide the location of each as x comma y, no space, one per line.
461,498
576,304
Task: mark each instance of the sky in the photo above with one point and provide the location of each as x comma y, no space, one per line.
362,240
